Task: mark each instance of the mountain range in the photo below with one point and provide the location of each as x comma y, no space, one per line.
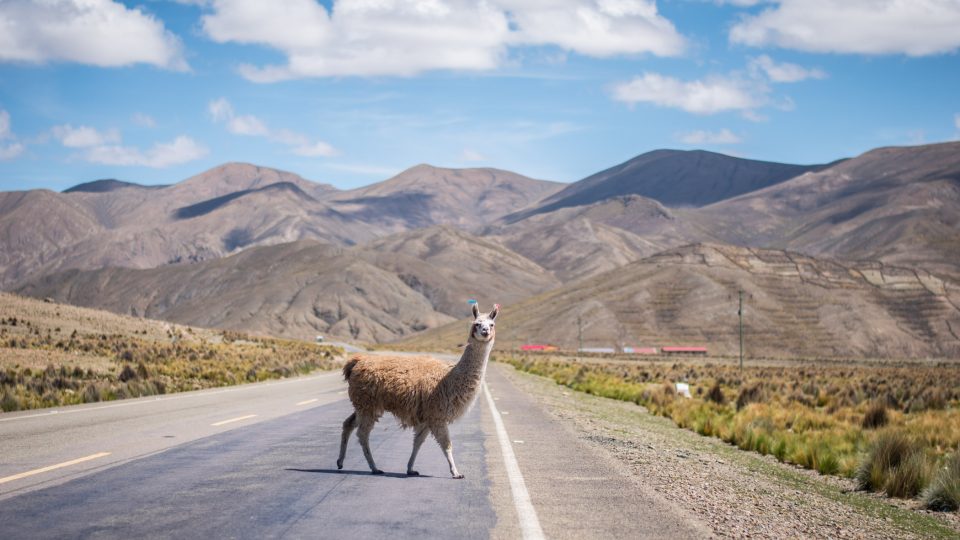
865,251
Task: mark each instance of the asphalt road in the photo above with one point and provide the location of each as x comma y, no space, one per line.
258,461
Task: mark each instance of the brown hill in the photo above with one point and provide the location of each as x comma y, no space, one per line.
581,241
675,178
795,305
449,266
424,195
898,205
35,226
233,207
396,287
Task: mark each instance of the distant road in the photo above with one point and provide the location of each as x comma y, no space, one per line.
258,461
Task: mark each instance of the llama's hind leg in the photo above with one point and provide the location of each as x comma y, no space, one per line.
418,438
443,438
348,425
365,426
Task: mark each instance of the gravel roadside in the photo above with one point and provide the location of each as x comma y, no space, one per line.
738,494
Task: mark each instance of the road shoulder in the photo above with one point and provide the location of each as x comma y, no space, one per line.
736,493
577,491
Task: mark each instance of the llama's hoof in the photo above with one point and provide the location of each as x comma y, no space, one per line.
458,477
339,465
376,471
413,473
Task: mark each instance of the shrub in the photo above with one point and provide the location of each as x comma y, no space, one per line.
943,493
908,480
716,394
128,374
750,394
876,416
894,464
9,403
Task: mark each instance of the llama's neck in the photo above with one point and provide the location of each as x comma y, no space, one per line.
474,358
468,374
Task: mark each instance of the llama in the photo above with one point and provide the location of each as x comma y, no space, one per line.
422,392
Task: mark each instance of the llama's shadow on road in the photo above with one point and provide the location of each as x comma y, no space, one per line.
357,473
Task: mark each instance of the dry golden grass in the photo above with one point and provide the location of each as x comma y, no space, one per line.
812,416
53,355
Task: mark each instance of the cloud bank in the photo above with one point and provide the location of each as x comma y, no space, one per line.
910,27
405,38
95,32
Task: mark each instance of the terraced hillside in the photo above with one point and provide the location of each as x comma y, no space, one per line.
794,305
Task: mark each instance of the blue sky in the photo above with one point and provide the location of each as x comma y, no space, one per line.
353,91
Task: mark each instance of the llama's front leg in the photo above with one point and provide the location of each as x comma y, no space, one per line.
443,438
418,438
348,425
363,433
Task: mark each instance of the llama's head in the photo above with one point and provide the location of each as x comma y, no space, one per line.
484,328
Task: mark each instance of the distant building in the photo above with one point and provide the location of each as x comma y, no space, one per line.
538,347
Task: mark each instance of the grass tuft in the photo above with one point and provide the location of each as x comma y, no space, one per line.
876,416
894,464
943,493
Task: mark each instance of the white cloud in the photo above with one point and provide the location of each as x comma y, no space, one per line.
220,109
724,136
317,149
144,120
911,27
783,72
471,155
222,112
12,149
956,120
84,136
247,125
700,97
5,124
403,38
96,32
180,150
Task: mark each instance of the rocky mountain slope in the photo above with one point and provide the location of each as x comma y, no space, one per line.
676,178
389,289
235,206
899,205
252,248
795,305
424,195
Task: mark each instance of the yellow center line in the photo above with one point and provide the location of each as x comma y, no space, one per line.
237,419
52,467
309,401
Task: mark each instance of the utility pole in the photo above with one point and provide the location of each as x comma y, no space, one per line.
740,313
579,335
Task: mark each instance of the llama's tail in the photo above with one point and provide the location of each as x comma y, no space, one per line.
348,368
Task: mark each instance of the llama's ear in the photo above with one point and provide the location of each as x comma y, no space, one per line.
476,310
495,312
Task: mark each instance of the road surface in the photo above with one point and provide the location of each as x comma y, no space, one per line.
258,461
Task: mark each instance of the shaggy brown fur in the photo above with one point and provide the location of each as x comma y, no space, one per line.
424,393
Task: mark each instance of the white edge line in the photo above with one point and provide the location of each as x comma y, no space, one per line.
53,467
309,401
237,419
529,523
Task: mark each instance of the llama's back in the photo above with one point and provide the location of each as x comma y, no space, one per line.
397,384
